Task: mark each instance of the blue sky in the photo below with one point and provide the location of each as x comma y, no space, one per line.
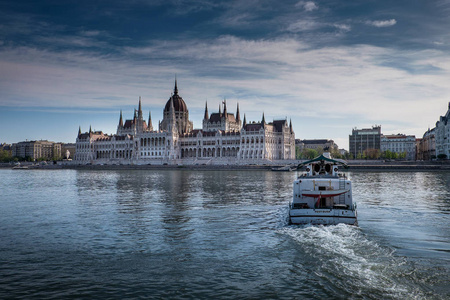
328,65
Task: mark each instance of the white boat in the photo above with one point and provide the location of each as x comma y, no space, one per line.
284,169
322,195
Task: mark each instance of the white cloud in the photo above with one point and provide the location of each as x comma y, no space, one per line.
307,5
303,25
382,23
343,27
335,87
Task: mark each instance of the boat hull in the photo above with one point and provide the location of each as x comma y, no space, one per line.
323,216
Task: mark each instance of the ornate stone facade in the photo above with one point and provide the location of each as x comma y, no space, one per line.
223,139
443,135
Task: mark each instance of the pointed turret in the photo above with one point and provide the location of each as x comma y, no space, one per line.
175,90
206,117
263,121
238,116
79,130
220,111
245,121
150,121
140,109
290,126
225,108
134,118
90,129
120,119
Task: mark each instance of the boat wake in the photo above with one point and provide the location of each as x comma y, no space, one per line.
343,260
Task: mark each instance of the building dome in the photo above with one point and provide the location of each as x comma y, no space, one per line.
178,103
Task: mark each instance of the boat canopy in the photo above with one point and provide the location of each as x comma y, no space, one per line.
323,158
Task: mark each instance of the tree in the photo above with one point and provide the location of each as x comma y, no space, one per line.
387,154
335,153
5,156
309,153
442,156
298,153
372,153
402,155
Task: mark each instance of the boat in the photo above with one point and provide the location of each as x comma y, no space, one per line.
287,168
322,195
18,166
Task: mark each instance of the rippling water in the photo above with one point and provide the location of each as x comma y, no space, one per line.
217,234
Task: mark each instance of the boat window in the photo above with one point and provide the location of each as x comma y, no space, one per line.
322,188
317,167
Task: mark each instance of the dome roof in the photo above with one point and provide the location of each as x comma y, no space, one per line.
178,103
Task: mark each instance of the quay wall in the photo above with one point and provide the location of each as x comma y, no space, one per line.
355,165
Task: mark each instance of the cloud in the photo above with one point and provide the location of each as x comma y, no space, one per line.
382,23
351,85
343,27
303,25
307,5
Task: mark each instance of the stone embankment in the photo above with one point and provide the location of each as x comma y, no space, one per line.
355,165
398,165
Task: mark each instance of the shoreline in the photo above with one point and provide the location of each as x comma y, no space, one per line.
353,166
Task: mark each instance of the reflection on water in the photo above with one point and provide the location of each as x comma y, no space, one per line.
217,234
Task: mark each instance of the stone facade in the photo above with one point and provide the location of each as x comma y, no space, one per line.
400,143
317,144
223,139
442,133
37,149
363,139
426,146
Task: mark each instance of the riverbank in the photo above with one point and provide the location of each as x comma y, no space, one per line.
353,164
399,165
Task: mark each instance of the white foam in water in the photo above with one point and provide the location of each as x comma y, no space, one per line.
343,256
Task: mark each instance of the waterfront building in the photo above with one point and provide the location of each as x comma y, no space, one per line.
37,149
400,144
363,139
442,135
317,144
68,149
223,139
426,149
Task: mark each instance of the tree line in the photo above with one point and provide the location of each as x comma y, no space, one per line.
6,157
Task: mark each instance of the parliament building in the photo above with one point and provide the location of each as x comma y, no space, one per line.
223,139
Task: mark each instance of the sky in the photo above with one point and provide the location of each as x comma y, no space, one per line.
329,66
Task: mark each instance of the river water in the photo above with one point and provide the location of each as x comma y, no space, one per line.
185,234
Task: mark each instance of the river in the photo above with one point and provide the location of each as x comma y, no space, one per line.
185,234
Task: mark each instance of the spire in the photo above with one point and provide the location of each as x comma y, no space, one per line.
290,126
79,130
120,119
134,118
220,111
150,120
175,90
140,108
238,117
90,129
225,108
206,117
263,121
245,122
